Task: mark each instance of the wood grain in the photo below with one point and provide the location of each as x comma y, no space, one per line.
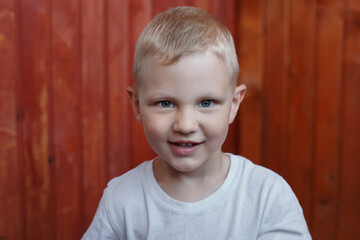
11,166
93,105
118,74
67,119
301,71
327,120
349,190
274,140
38,166
250,45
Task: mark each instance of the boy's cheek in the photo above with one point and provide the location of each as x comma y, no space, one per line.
214,120
154,126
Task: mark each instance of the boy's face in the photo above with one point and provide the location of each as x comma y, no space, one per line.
186,108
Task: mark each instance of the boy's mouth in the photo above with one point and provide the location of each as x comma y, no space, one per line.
184,148
185,145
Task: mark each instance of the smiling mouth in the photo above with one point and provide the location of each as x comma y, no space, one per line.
186,145
185,148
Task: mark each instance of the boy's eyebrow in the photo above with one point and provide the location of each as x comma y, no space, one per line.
160,94
202,96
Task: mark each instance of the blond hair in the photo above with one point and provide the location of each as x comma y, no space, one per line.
182,31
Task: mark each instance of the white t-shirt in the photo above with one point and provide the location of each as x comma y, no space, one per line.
252,203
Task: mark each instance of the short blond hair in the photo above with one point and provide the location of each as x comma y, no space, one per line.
182,31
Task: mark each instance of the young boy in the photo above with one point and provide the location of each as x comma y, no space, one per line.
185,97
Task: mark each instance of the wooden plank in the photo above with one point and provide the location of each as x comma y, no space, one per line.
93,105
204,4
250,43
301,99
141,12
327,131
66,127
162,5
275,85
224,11
38,170
118,104
11,165
349,209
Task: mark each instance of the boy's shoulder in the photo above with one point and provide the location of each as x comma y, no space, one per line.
130,183
256,179
253,171
132,176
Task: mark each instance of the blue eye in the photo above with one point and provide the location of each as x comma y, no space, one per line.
165,104
206,103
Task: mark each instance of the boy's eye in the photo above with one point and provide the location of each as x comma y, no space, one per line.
206,103
165,104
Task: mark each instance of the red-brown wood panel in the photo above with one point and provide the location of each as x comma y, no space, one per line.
275,86
224,11
203,4
118,75
250,45
66,70
141,12
301,98
11,166
39,169
162,5
93,104
327,117
349,190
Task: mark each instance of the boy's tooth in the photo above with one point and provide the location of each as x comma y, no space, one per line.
184,144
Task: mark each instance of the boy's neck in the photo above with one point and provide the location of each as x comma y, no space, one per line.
191,186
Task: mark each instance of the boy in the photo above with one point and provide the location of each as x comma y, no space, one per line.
185,97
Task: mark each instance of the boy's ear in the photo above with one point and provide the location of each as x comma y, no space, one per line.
238,96
135,103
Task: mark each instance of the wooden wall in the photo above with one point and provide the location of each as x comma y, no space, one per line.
66,126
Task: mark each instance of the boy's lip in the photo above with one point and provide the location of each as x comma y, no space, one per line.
185,142
184,148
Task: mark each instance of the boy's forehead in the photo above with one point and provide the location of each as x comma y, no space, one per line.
195,70
154,66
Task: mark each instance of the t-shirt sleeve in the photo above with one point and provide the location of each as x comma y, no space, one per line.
283,216
100,227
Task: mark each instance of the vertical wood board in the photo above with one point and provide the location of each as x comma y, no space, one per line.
65,72
93,104
11,167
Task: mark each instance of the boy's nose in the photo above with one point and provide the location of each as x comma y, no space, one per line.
185,122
